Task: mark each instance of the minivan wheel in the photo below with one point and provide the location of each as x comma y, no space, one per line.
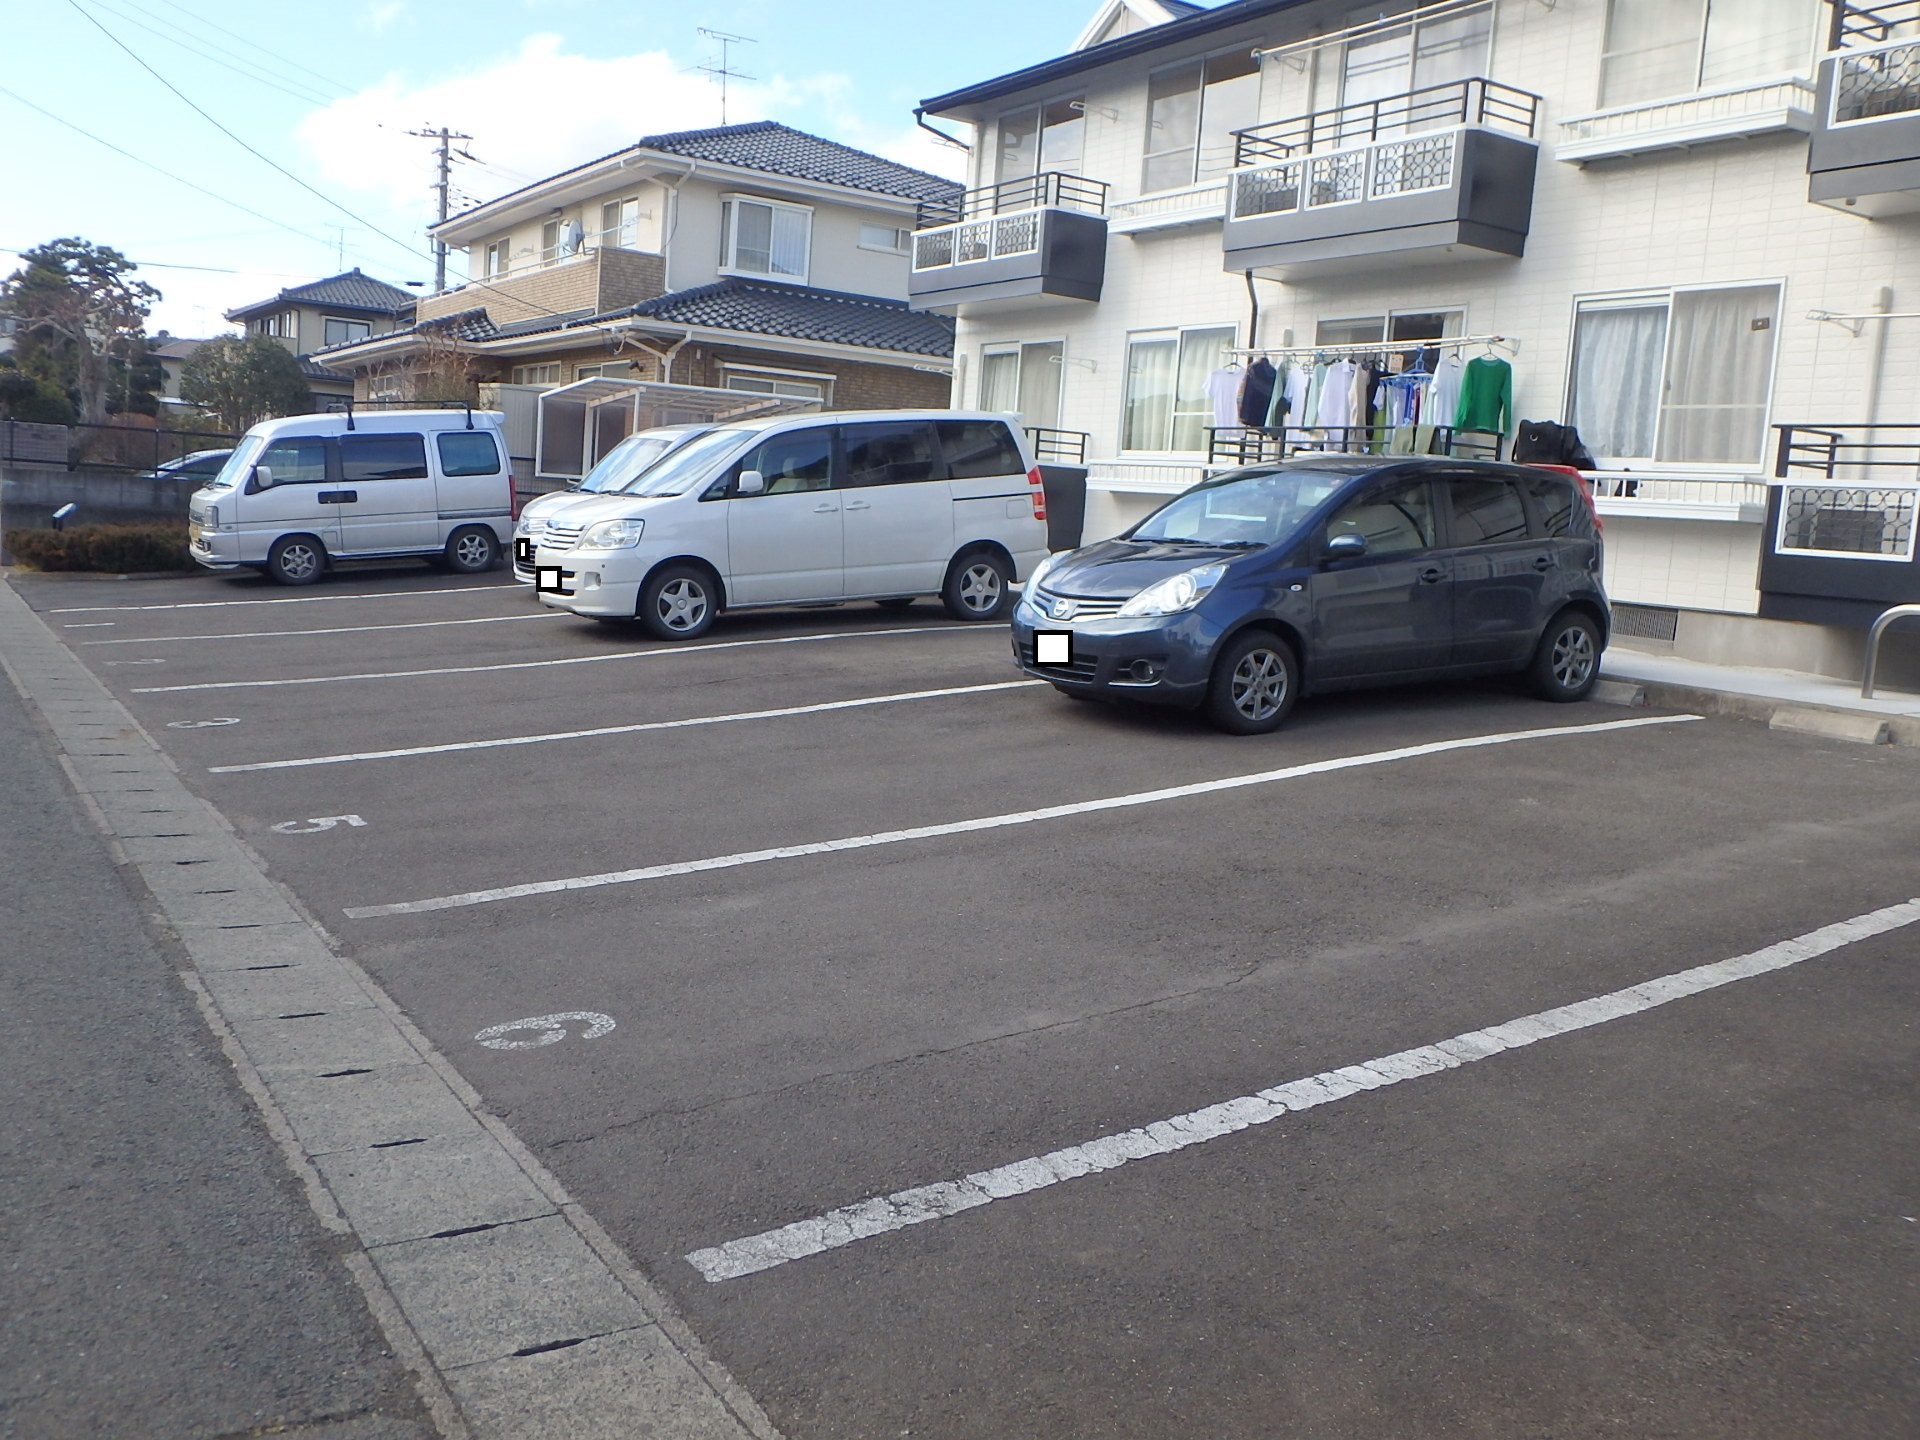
1255,682
297,560
1566,666
978,584
678,602
472,549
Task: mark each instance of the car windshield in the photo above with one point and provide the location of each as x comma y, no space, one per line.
238,463
692,464
629,460
1265,507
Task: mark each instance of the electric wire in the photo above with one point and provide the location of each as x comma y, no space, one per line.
241,68
343,88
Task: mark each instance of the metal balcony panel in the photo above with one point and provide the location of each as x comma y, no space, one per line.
1461,194
1769,107
1063,255
1864,154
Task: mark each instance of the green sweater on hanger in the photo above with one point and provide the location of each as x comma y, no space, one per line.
1486,396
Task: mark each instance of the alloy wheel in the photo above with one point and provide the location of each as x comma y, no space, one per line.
1259,685
1573,657
980,588
682,604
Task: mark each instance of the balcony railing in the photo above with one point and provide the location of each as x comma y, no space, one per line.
1484,103
995,238
1887,453
1753,108
1238,446
1052,189
1058,447
1859,25
1372,172
1871,84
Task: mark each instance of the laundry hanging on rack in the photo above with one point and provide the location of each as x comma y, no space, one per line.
1335,410
1256,393
1444,394
1486,396
1223,394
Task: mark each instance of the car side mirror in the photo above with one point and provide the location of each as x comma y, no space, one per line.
751,482
1346,547
262,478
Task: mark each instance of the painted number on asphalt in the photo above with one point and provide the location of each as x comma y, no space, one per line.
315,825
203,724
133,662
543,1030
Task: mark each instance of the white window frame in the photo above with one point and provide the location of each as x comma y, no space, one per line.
496,259
624,233
1802,69
552,232
1018,349
902,243
819,382
1178,334
605,369
281,325
1659,295
1198,146
366,327
523,374
729,230
1386,319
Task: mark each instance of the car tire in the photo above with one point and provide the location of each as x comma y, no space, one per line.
471,550
979,586
1254,684
1566,663
678,602
296,560
897,602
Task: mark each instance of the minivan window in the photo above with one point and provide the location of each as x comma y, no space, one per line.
899,452
468,452
1486,511
978,449
1396,520
796,461
1264,507
692,464
296,460
627,462
382,457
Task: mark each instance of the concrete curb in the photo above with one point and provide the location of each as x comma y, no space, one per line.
1831,722
520,1316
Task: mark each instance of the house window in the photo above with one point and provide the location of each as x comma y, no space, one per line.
1394,328
280,326
343,332
890,239
1192,112
614,370
1166,403
620,223
1045,138
1681,377
537,374
793,384
549,242
496,262
1023,380
1416,56
764,237
1656,48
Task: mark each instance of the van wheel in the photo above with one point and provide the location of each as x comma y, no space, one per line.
1255,682
1566,665
978,584
472,549
678,602
297,560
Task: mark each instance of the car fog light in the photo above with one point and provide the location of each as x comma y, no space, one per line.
590,580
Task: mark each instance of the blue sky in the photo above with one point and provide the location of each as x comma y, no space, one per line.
328,93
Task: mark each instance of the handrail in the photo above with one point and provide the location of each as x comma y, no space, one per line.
1243,445
1066,447
1433,107
1869,24
1826,450
1049,189
1887,617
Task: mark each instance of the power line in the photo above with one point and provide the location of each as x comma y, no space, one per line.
242,68
344,89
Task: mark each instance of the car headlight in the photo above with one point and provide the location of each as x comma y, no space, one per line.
1040,572
529,526
613,535
1176,592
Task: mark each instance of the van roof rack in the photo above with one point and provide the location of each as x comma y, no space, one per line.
466,405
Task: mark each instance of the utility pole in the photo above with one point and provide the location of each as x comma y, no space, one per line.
443,153
720,71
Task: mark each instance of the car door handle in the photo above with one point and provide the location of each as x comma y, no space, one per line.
338,497
1543,562
1432,575
859,505
825,507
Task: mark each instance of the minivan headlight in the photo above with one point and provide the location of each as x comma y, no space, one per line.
1176,592
613,535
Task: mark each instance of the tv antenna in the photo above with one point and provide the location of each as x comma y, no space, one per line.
722,72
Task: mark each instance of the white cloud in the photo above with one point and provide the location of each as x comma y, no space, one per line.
379,15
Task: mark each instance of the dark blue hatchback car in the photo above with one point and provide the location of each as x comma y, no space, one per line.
1325,573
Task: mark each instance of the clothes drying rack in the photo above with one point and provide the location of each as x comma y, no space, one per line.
1378,347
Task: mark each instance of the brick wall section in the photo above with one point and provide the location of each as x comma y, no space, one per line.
857,384
602,280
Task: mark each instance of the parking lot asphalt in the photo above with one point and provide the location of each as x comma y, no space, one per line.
869,914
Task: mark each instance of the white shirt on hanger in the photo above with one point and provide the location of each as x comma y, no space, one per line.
1444,398
1223,389
1336,396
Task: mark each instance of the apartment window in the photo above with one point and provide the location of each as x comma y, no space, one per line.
1166,402
1681,377
549,242
1656,48
536,374
342,332
773,382
1415,56
1024,380
891,239
765,237
1192,112
620,223
1047,137
1396,327
496,262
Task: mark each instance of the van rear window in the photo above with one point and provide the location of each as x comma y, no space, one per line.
977,449
383,457
468,452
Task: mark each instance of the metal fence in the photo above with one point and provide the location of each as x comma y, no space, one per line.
134,449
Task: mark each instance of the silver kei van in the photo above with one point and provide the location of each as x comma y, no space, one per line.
882,505
301,492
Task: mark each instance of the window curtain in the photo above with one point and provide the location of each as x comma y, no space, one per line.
1173,127
1617,354
790,243
1040,373
1748,39
1653,50
1719,364
1000,382
1201,353
1150,370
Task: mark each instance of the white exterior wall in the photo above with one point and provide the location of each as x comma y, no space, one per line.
1728,212
835,260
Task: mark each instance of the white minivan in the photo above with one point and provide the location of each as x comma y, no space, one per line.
616,470
301,492
881,505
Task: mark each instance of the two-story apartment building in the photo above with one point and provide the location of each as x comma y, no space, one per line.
1681,225
750,258
339,310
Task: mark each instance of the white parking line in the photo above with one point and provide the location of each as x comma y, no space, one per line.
885,1213
567,660
623,729
996,822
289,600
340,630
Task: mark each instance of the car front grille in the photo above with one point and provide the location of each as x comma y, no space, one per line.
1083,608
1078,667
560,537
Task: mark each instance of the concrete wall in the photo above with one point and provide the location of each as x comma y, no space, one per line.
30,494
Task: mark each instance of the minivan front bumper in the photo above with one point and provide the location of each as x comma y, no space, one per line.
592,582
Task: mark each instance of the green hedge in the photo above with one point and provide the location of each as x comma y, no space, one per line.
115,549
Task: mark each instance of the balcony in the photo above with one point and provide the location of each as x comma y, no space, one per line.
591,282
1842,518
1037,237
1431,175
1767,107
1864,156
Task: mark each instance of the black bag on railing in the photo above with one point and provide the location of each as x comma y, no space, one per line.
1546,442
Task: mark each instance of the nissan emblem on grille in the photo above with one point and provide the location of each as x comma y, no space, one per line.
1064,609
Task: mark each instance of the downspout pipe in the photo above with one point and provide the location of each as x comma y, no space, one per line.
920,119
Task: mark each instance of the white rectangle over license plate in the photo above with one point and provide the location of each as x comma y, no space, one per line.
1052,647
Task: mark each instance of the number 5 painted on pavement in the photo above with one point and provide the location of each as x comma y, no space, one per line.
315,825
548,1030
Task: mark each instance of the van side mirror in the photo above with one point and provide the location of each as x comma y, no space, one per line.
262,478
1346,547
751,482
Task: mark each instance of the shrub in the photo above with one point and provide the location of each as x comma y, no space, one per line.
116,549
